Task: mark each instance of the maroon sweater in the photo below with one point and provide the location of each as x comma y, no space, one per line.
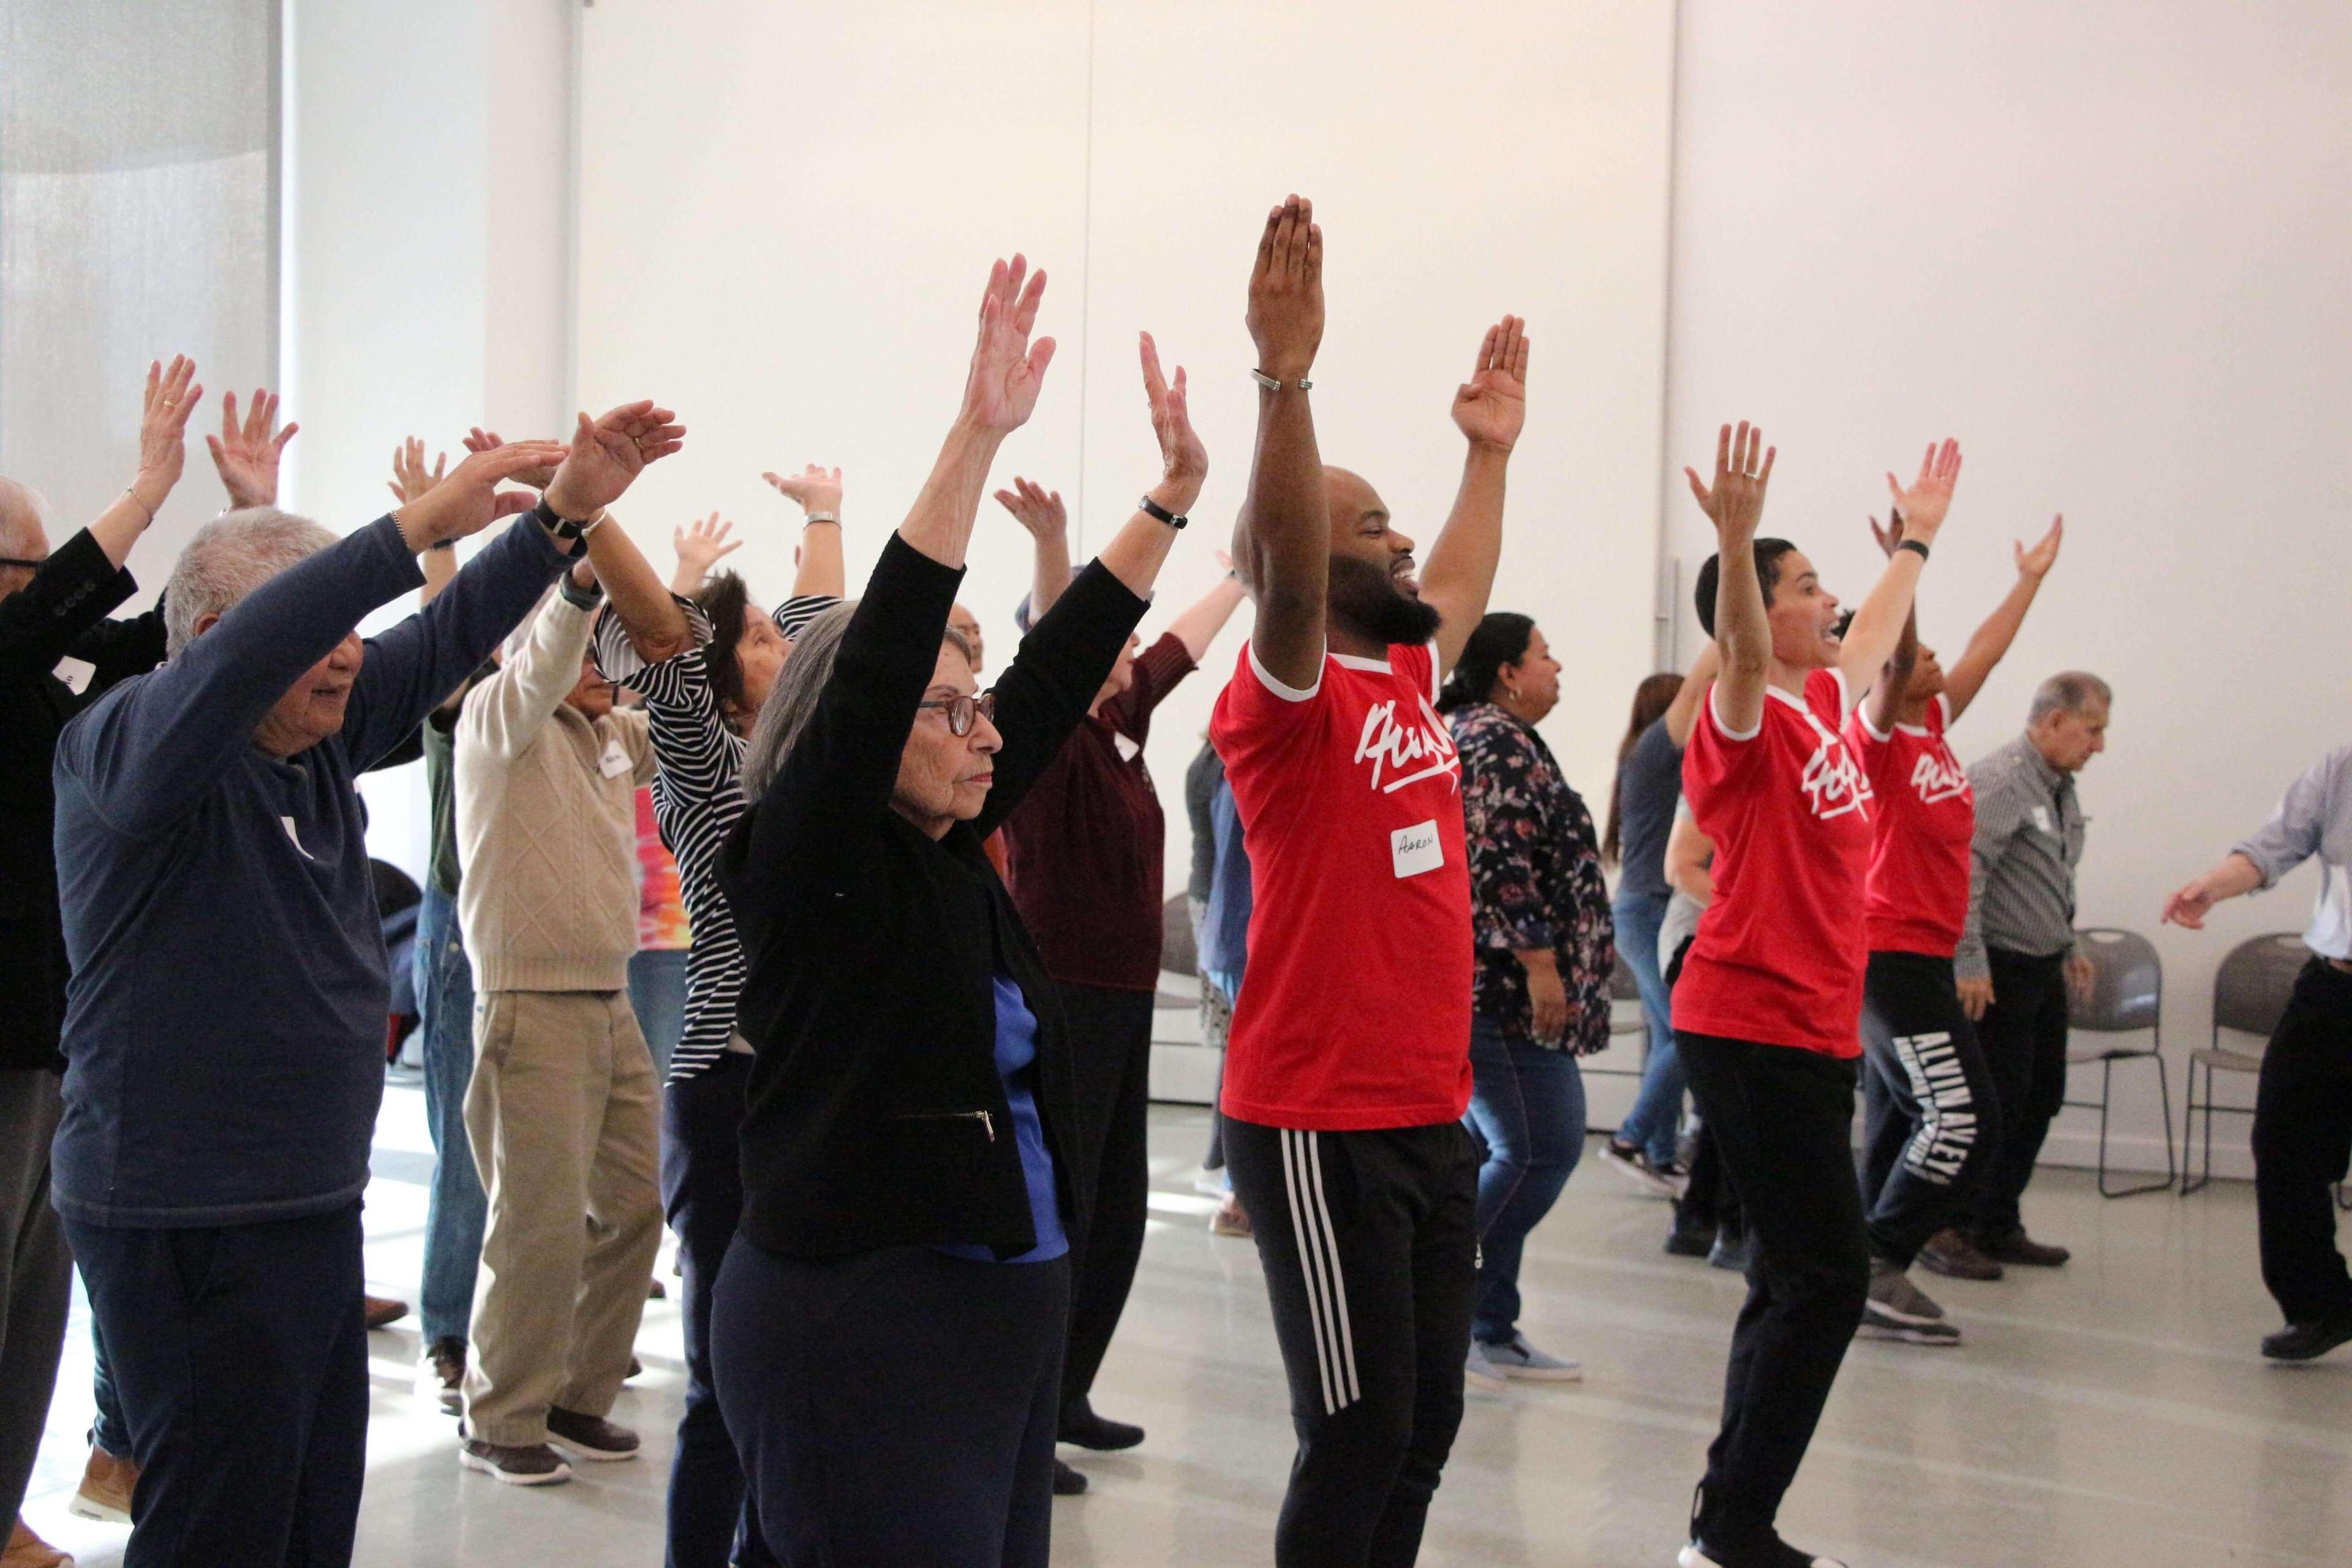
1084,851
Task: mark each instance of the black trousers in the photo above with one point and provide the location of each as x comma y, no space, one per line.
240,1356
1110,1047
1929,1117
895,1407
2303,1137
712,1520
1369,1242
1781,1118
2025,1037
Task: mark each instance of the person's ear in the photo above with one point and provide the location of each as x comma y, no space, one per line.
205,623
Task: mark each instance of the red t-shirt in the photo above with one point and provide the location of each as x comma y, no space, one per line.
1356,1010
1918,898
1780,952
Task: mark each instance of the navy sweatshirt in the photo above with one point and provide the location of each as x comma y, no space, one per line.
225,1024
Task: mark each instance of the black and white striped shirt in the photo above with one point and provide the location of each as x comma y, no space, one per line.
697,795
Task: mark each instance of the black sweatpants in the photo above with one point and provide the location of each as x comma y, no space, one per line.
2303,1137
1110,1051
1368,1241
239,1354
1781,1118
893,1407
1929,1118
2025,1037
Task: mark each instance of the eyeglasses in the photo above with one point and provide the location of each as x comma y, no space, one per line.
961,710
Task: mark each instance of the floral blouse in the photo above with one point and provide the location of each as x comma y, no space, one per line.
1534,878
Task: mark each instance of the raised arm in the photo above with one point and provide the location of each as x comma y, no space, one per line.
506,713
172,396
1135,551
246,453
410,480
1682,712
606,456
1878,625
999,394
699,546
1743,636
1197,623
1986,649
1489,409
1887,698
1040,511
1282,540
818,572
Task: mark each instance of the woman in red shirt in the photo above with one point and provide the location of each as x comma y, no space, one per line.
1771,995
1927,1099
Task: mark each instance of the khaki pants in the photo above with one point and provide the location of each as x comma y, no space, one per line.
561,1116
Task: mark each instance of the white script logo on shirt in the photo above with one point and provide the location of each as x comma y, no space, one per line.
1834,784
1938,777
1413,750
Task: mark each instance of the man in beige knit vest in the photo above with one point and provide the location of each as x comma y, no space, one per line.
562,1111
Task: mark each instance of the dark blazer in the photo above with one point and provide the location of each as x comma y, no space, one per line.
874,1115
60,613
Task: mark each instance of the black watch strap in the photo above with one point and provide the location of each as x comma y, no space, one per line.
1174,520
1914,544
562,527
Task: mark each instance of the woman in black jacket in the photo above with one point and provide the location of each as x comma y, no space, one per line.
887,1327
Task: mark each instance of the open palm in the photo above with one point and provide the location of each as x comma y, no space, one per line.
1491,408
1007,370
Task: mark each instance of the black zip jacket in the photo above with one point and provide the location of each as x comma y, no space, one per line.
874,1116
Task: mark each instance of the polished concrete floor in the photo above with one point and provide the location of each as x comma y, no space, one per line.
2112,1413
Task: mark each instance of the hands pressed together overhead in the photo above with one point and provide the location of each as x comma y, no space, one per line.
1286,292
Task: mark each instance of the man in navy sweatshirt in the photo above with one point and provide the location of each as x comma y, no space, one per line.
225,1023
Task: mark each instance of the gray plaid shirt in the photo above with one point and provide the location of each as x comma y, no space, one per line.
2029,837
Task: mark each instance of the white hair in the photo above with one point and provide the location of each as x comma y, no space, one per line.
22,514
230,557
2068,691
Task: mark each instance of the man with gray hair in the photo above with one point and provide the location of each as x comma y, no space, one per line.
2016,961
225,1023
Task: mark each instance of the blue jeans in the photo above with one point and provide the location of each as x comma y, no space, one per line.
1657,1114
657,996
1526,1110
455,1215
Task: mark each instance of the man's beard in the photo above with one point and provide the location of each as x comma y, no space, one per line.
1366,600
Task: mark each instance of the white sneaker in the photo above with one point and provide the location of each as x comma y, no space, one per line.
1521,1359
1481,1373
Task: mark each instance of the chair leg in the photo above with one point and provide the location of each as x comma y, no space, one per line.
2106,1099
2189,1179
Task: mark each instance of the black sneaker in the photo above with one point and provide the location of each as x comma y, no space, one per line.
1732,1250
534,1465
2309,1341
1879,1322
1693,1235
1067,1482
591,1436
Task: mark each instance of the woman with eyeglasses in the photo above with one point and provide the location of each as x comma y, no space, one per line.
888,1326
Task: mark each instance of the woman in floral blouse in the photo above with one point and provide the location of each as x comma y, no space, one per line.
1541,995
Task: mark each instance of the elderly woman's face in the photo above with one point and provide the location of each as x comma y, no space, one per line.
943,778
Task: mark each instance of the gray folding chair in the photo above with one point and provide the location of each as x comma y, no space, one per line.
2126,995
2249,994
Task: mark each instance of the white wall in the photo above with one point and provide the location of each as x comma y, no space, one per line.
2105,245
786,214
427,271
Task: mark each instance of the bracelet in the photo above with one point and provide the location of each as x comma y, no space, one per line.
593,523
1271,384
132,492
831,517
1914,544
1152,507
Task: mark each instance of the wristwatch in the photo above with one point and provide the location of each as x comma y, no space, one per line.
1174,520
564,527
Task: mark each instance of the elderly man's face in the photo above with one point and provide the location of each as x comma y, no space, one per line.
312,708
22,538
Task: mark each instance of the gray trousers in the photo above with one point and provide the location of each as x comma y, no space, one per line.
36,1276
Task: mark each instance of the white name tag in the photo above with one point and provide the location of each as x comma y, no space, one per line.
2042,820
295,836
1128,750
75,673
616,760
1417,849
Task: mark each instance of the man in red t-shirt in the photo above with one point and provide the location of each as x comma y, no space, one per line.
1929,1105
1348,1068
1768,1000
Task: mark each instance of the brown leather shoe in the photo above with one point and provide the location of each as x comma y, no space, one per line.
106,1483
26,1550
1955,1256
590,1437
383,1311
529,1465
2016,1247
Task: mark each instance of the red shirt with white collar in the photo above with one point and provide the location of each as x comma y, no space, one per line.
1355,1012
1918,894
1781,951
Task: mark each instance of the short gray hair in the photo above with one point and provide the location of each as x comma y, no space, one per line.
230,557
2068,691
22,511
791,702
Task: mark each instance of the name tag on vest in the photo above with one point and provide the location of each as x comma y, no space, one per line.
1417,849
